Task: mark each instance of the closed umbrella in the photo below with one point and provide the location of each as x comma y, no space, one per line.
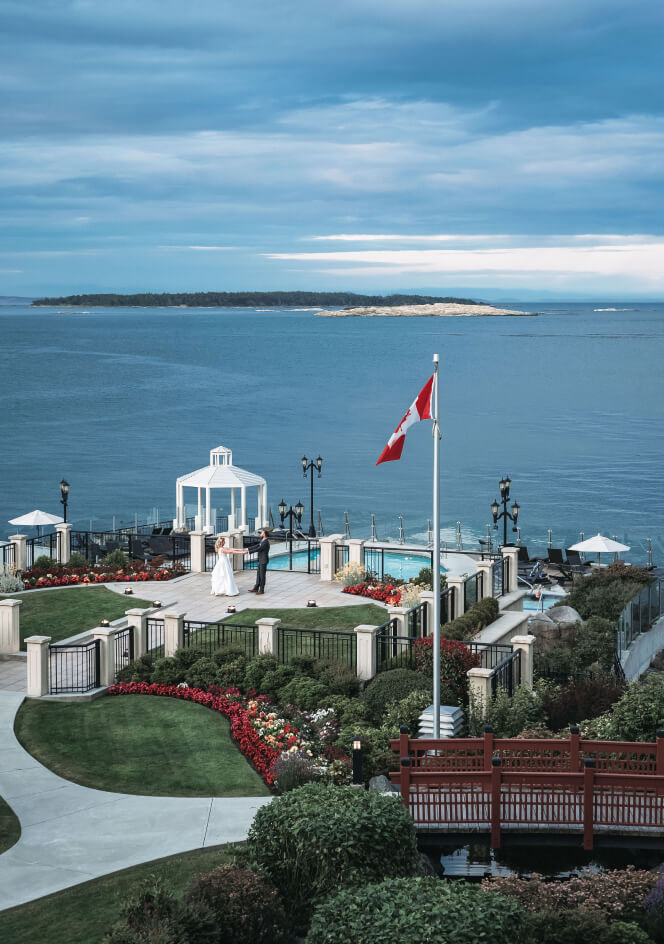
599,545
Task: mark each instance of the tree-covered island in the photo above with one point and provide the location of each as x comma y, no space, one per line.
243,300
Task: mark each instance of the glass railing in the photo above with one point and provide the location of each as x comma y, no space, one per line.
639,614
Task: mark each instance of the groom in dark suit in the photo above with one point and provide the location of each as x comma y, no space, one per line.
263,549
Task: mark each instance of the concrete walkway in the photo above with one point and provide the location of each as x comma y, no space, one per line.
71,834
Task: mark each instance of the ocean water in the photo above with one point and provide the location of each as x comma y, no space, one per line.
122,401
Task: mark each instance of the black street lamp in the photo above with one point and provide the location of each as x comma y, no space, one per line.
64,493
309,466
290,513
504,486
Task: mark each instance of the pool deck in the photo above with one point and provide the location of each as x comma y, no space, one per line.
283,590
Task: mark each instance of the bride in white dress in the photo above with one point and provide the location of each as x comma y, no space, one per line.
223,582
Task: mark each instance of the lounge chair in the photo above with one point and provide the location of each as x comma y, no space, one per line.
524,556
556,559
575,563
137,548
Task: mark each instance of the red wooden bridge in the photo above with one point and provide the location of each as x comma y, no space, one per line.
516,785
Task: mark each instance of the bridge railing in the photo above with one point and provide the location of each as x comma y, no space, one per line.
458,785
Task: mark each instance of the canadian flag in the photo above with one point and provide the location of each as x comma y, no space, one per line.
420,409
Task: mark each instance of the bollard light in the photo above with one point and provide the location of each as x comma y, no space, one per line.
357,760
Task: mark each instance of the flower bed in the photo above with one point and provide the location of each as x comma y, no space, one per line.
66,577
262,731
384,593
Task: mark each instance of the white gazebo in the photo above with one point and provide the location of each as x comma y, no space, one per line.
221,473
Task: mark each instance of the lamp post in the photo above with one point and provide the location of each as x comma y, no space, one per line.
309,466
290,513
504,486
64,493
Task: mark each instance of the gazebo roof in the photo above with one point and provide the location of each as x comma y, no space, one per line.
220,473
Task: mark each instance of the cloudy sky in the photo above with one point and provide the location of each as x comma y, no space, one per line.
499,148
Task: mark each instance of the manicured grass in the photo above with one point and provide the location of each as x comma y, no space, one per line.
138,744
83,914
339,618
10,828
66,611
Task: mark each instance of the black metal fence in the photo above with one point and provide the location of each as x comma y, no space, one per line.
7,557
73,669
210,553
489,655
124,648
446,606
300,555
208,637
418,620
45,545
321,644
499,577
472,591
379,560
155,636
340,556
392,650
507,674
162,543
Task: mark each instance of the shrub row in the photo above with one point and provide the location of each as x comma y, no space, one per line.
479,615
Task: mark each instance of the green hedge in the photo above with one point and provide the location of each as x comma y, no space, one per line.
476,618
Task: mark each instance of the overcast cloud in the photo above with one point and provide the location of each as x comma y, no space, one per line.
209,145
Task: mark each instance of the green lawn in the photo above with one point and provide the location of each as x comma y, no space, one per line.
10,828
339,618
138,744
66,611
84,913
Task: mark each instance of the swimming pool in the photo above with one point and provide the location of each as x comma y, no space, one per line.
546,600
399,564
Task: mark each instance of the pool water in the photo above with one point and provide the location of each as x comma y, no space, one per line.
400,565
546,600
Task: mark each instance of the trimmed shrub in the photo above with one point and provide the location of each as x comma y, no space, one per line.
508,716
425,579
408,711
307,693
455,661
231,674
605,592
635,717
347,710
579,700
11,583
294,770
575,926
319,837
186,657
167,672
415,911
155,916
377,756
391,686
257,669
479,615
277,677
140,670
338,677
202,674
43,562
115,559
242,906
230,653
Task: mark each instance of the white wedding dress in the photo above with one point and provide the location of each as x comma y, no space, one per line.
223,581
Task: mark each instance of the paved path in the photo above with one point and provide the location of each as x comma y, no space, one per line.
71,834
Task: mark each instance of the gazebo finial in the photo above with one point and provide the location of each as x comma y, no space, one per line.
221,456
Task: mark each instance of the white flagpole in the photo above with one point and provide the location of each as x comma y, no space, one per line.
435,557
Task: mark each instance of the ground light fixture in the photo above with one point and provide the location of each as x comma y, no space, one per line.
64,497
104,622
230,609
356,745
309,465
156,603
128,591
311,603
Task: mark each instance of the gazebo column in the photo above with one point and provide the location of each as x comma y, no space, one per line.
231,523
264,517
208,523
199,515
243,500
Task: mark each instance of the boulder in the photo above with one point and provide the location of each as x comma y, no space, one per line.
563,614
380,784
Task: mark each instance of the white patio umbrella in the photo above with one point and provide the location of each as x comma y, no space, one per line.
599,545
36,518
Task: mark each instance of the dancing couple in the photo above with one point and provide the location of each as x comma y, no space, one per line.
223,581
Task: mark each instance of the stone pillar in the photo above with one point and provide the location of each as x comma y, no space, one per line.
197,545
235,539
63,545
426,596
512,555
20,550
10,635
366,651
139,620
485,567
327,555
37,647
479,686
355,551
106,637
527,646
456,586
173,632
400,614
268,637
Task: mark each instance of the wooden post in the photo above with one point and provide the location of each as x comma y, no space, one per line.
403,741
660,751
488,746
588,801
574,749
496,776
404,781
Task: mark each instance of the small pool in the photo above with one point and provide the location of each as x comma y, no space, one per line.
545,601
397,564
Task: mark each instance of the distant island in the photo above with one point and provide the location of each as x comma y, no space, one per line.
446,309
244,300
